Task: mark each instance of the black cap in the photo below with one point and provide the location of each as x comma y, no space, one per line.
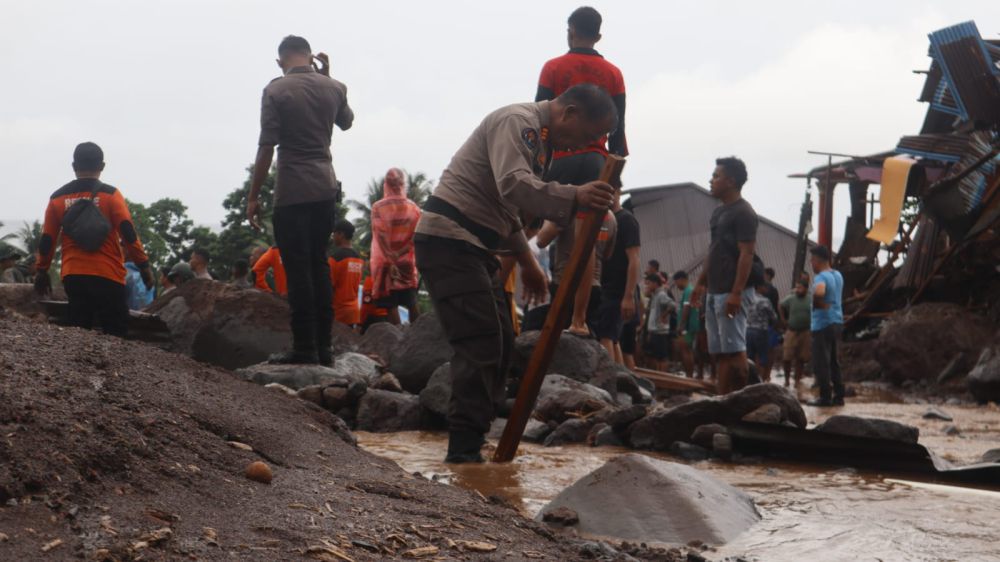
821,252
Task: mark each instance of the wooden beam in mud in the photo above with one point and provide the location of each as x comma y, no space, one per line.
668,381
541,357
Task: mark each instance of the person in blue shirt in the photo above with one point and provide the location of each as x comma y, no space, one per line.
827,328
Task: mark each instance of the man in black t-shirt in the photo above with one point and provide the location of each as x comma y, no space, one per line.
726,274
619,279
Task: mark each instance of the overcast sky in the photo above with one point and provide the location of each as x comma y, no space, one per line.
171,90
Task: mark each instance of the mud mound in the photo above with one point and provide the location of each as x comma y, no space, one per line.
113,450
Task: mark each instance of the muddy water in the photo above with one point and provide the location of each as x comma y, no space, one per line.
809,513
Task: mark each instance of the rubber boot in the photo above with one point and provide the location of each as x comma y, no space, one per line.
464,446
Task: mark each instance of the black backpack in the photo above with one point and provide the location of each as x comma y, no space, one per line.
85,223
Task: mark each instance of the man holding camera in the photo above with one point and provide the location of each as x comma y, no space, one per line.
298,113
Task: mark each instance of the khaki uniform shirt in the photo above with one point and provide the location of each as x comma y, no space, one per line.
297,114
497,174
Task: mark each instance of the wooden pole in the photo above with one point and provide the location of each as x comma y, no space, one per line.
541,357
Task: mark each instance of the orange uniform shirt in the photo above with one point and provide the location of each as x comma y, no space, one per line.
108,261
346,268
270,260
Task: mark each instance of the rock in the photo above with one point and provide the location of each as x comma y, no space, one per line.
280,388
381,411
933,413
536,431
496,429
570,431
857,426
312,393
576,358
620,418
656,501
357,367
563,516
623,400
293,376
952,431
722,446
703,434
919,343
993,455
387,381
380,340
606,437
661,428
984,379
560,395
423,349
336,398
437,394
259,472
768,413
594,430
688,452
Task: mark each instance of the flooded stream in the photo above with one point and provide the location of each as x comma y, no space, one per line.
809,513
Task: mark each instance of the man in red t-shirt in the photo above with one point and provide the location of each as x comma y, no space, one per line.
582,64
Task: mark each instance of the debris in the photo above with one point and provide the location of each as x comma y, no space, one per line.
158,536
50,545
562,515
240,446
689,452
259,472
210,536
857,426
422,552
4,537
952,430
328,553
477,546
933,413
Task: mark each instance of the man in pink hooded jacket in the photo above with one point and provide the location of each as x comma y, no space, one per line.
393,267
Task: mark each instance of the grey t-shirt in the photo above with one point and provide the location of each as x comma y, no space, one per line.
661,307
731,224
297,114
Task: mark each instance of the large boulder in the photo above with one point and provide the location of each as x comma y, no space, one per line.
655,501
22,299
876,428
230,327
573,430
918,343
295,377
561,395
984,380
382,411
423,349
358,367
380,340
436,396
577,358
661,428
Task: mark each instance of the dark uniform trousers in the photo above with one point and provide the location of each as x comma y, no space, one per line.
92,296
826,365
302,233
472,308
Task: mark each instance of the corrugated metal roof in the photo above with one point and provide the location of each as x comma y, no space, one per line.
674,226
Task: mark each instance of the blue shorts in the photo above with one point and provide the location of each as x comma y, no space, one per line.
726,335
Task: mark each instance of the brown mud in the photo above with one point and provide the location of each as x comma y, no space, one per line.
810,512
113,450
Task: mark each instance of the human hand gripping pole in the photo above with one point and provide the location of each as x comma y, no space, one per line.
596,196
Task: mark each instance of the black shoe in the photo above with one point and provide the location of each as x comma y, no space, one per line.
463,447
325,357
820,403
293,358
838,402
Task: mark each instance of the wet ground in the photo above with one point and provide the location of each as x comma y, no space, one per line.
809,512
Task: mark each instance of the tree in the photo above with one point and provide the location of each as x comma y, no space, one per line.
30,236
5,237
418,188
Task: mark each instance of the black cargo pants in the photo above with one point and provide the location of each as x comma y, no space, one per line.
472,308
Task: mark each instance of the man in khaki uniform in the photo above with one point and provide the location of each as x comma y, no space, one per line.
475,214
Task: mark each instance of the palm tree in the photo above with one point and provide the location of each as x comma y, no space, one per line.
8,236
30,236
418,188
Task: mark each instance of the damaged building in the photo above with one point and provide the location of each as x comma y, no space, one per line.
936,238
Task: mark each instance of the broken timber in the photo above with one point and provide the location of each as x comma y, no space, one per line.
667,381
541,357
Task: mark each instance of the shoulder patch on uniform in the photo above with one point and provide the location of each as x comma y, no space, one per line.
530,138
